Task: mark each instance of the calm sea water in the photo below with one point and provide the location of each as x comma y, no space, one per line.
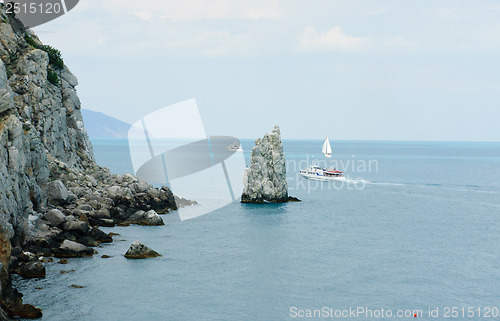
419,229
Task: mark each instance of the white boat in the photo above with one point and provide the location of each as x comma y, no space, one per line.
327,149
322,174
235,147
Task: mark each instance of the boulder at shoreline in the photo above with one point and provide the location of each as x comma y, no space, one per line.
140,251
73,249
150,218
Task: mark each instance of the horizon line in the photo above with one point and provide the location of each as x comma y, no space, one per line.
340,140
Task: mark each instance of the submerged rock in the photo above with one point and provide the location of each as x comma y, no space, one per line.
182,202
140,251
265,179
31,269
23,311
106,222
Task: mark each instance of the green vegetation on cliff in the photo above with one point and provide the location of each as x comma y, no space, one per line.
55,59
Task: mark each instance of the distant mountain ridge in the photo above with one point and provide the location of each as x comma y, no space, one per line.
100,125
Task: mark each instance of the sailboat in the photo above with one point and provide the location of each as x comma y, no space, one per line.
234,147
322,173
327,149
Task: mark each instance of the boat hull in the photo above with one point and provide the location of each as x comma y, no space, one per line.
317,177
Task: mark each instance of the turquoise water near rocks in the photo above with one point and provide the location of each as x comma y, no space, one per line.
420,229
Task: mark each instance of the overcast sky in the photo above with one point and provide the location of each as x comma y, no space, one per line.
357,69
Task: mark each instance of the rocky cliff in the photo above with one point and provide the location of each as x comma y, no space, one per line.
53,196
265,179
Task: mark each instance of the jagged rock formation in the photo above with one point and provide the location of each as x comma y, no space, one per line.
265,179
52,193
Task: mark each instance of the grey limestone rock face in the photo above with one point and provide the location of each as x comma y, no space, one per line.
47,162
6,95
265,179
39,122
54,217
57,192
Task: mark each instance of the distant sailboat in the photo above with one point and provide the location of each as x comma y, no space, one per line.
235,147
327,149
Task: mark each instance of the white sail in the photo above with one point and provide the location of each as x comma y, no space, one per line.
327,149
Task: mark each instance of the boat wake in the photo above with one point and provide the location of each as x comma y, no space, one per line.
357,181
459,188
